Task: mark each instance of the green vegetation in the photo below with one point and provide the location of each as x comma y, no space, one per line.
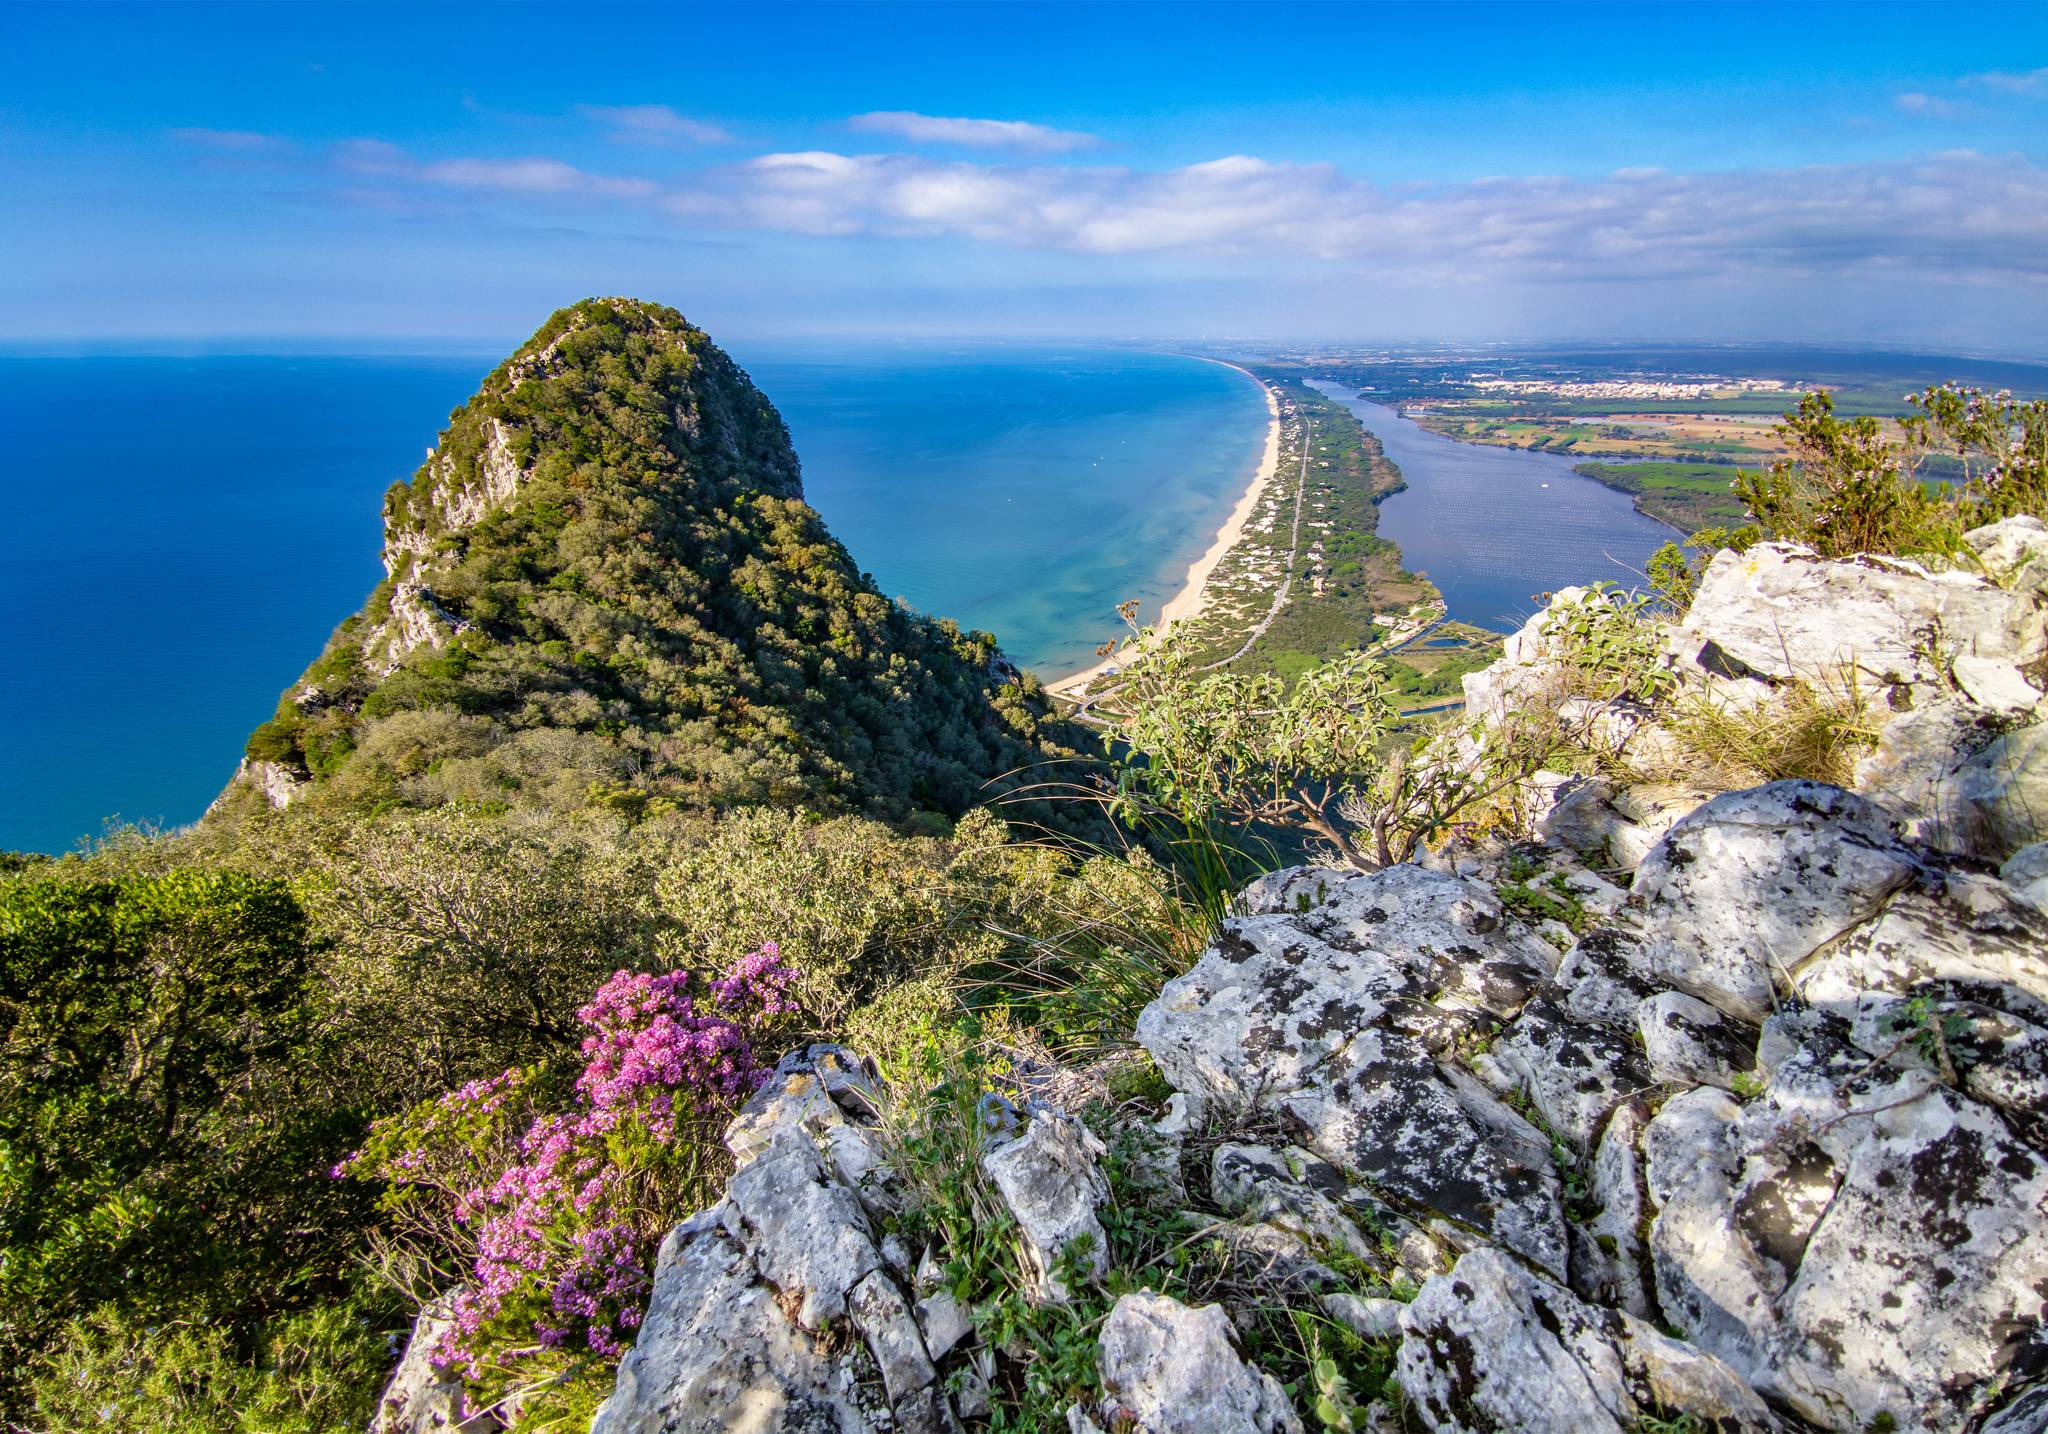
1341,574
1688,496
166,1116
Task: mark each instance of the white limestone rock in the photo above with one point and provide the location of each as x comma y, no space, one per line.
1326,1017
1049,1179
1857,1242
2014,553
807,1231
1573,1072
1611,1265
1490,1346
1689,1042
883,1317
1960,778
1744,889
716,1355
2026,872
1170,1369
423,1395
1781,611
1366,1316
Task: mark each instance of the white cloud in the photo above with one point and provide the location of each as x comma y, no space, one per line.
531,175
1951,216
1926,106
1942,216
232,141
975,133
2024,82
653,124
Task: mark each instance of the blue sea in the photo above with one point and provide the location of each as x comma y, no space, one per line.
1498,529
182,533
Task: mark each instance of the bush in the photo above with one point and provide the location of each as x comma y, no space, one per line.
313,1372
161,1107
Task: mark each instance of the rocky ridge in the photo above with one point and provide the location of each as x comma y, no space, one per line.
1756,1143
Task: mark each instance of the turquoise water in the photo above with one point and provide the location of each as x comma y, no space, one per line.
181,534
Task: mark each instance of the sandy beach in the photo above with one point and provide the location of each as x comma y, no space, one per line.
1193,595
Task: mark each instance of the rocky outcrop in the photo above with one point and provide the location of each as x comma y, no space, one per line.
1342,1020
782,1307
1491,1346
424,1395
1861,1245
1779,612
1744,1130
1169,1369
1949,664
416,619
1049,1179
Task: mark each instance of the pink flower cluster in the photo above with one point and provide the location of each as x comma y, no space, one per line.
563,1237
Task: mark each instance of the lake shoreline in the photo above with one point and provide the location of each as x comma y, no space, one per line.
1191,598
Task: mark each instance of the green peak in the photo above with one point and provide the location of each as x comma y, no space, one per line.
604,586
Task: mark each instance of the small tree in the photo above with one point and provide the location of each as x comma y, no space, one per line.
1844,488
1324,756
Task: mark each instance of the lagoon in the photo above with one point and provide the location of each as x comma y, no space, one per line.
1498,529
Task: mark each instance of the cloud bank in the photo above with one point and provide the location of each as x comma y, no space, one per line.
1953,216
975,133
653,124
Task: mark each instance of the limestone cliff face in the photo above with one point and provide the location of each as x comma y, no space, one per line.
604,578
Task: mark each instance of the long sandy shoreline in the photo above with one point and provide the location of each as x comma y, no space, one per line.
1193,596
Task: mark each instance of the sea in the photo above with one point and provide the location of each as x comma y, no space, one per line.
1499,529
182,532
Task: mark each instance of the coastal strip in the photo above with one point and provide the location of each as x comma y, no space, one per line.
1193,596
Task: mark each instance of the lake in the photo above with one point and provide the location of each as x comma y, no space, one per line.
184,532
1497,529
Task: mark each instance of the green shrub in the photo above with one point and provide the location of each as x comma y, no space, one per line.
163,1119
313,1372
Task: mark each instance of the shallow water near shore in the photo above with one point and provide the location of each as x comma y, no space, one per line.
1497,529
184,532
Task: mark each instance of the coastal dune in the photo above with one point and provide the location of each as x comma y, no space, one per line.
1193,597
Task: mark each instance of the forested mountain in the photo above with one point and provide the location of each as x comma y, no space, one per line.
604,585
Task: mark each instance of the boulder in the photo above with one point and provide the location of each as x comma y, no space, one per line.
2026,873
716,1354
1961,779
1782,612
777,1309
1689,1042
1861,1243
1326,1018
1170,1369
1049,1179
1490,1346
1743,890
423,1395
2014,553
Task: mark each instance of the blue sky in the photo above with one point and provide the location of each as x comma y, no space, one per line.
359,173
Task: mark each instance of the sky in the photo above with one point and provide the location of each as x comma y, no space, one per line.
374,174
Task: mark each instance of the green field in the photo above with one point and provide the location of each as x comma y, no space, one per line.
1688,496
